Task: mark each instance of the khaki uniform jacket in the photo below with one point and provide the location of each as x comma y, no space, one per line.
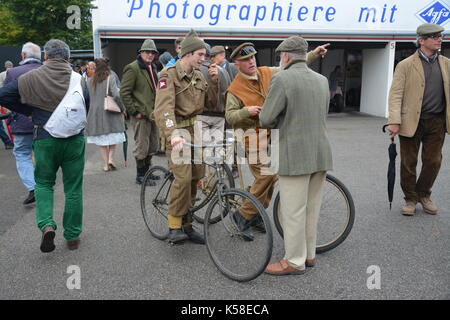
180,98
406,93
238,116
137,91
297,105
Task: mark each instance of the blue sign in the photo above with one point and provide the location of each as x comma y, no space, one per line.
436,12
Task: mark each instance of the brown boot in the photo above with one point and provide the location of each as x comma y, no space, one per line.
428,206
409,208
73,245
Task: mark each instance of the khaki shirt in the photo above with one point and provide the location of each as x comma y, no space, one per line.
236,113
180,97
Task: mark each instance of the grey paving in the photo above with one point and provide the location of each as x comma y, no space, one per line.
119,259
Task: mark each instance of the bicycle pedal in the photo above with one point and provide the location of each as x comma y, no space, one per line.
178,243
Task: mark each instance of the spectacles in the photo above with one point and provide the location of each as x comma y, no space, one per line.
435,36
247,50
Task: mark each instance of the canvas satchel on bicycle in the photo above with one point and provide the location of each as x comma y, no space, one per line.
110,104
69,117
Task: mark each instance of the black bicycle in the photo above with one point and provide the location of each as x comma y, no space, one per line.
336,218
232,253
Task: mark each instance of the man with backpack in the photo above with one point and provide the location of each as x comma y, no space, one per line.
52,95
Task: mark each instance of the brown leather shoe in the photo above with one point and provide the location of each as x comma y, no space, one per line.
282,268
73,245
309,263
409,208
428,206
47,243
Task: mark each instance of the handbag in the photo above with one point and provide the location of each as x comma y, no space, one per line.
110,104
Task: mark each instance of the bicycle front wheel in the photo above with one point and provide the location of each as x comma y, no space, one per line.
206,189
155,201
236,257
336,217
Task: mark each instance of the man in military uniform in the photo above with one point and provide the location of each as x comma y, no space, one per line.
138,90
182,94
245,97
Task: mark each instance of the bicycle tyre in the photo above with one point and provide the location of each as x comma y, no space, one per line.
228,229
155,214
210,194
321,248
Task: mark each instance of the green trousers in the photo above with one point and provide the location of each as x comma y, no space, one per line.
51,154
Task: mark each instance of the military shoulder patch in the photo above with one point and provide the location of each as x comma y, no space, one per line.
162,84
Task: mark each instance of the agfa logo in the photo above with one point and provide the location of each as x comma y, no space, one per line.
437,12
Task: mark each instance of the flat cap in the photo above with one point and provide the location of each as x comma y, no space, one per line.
243,51
216,50
428,28
148,45
293,44
165,58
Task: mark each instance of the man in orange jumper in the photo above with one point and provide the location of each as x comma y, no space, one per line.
245,97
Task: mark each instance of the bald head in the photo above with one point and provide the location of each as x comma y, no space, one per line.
31,50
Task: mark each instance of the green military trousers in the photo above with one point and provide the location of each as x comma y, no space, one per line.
51,154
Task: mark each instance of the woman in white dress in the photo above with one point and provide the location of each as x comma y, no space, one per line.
104,128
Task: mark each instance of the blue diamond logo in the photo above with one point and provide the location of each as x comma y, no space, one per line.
437,12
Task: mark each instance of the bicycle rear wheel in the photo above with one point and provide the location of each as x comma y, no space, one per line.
236,258
336,218
206,191
155,201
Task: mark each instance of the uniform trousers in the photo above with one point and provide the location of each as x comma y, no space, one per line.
264,183
184,186
300,199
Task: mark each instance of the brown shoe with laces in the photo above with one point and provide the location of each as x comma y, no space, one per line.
282,268
428,206
409,208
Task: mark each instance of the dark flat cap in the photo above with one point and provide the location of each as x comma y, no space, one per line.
243,51
428,28
292,44
217,49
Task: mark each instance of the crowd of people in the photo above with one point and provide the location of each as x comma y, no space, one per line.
199,88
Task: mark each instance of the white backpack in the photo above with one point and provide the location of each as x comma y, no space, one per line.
69,117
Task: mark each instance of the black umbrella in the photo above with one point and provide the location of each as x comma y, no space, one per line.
125,145
392,151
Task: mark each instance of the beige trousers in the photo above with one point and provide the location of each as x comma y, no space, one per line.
300,199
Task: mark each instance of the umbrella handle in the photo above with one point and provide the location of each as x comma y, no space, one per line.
384,130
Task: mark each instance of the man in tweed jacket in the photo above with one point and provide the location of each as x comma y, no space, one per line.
297,105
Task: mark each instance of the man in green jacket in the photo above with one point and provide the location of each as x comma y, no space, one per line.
297,105
138,90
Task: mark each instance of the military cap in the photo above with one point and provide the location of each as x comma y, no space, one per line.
216,50
191,43
243,51
148,45
428,28
293,44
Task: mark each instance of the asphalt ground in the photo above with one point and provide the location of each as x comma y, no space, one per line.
119,259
